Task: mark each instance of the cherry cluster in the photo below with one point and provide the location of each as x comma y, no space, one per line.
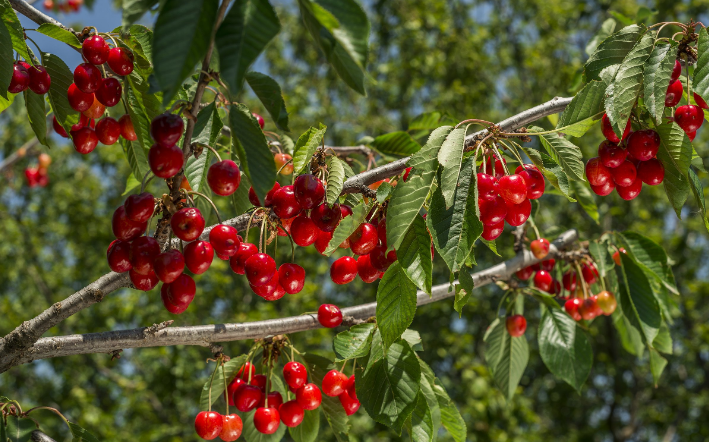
38,176
24,76
67,6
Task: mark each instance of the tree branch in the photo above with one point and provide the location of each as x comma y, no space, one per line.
205,335
29,148
35,14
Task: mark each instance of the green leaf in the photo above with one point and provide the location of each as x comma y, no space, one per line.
657,365
698,191
147,102
332,408
58,33
564,153
584,110
612,51
650,256
62,78
396,143
390,385
3,430
606,30
506,356
637,300
450,416
245,32
629,335
230,368
269,92
196,170
428,121
80,434
181,39
396,303
663,340
421,425
408,197
37,115
383,192
14,28
136,150
131,184
585,197
340,28
7,60
700,80
144,38
463,290
456,229
347,226
19,429
307,431
430,397
306,146
255,157
564,347
413,338
551,171
137,159
208,127
450,157
414,255
133,10
240,198
335,179
656,78
353,343
622,93
675,154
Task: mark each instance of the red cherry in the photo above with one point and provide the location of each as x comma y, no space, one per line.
604,189
673,94
525,273
309,191
169,265
533,179
208,424
267,420
274,399
304,231
20,79
616,256
109,94
143,282
187,223
231,428
326,218
271,290
32,176
166,129
589,273
334,383
87,78
588,309
125,229
169,306
543,280
121,61
492,212
322,241
127,130
40,81
490,232
513,188
643,144
689,117
269,196
625,174
516,325
143,252
499,168
488,188
139,208
596,173
364,239
572,308
343,270
378,258
58,128
259,268
517,214
95,50
108,130
691,135
85,140
309,396
330,316
292,414
198,256
165,162
243,253
651,172
569,280
224,177
295,374
248,369
348,403
231,389
366,270
697,99
676,71
291,277
630,192
284,203
118,255
611,154
350,388
182,290
607,130
547,264
224,239
259,118
78,100
540,248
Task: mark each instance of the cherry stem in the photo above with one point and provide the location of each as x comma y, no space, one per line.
213,150
53,410
268,375
209,395
260,238
144,182
187,196
513,149
581,280
689,87
284,165
343,366
248,225
534,226
226,389
219,218
115,43
475,120
504,166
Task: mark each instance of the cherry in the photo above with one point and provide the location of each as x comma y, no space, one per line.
349,404
644,144
169,306
87,78
95,49
187,223
125,229
198,256
329,316
224,239
274,399
569,280
492,212
673,94
243,253
611,154
109,94
269,196
169,265
533,179
121,61
208,424
625,174
334,383
139,208
379,258
604,189
166,129
78,100
232,427
108,130
596,173
284,163
607,130
259,380
118,255
143,282
589,273
295,374
95,111
303,230
548,264
606,302
490,231
58,128
676,71
165,162
588,309
32,176
271,290
223,177
182,290
651,172
689,117
513,188
231,389
291,277
292,414
350,388
343,270
248,369
572,308
516,325
366,270
20,79
543,280
630,192
259,268
143,252
525,273
85,140
285,204
308,396
323,240
499,168
488,187
697,99
517,214
616,256
259,119
309,191
127,130
267,420
40,81
364,239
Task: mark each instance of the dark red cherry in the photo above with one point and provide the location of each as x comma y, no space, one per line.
118,255
85,140
40,81
349,404
309,191
292,414
651,172
643,144
325,217
589,273
259,268
224,239
343,270
673,94
284,203
499,168
127,130
611,154
267,420
624,175
516,325
548,264
166,129
231,389
208,424
187,223
697,99
334,383
291,277
604,189
169,306
243,253
366,270
165,162
108,130
525,273
517,214
378,258
533,179
95,50
169,265
607,130
259,380
259,118
78,100
139,207
492,212
303,230
364,239
20,79
247,397
125,229
689,117
269,196
198,256
232,428
309,396
676,71
632,191
143,282
58,128
596,173
224,177
109,94
569,281
492,231
87,78
182,290
323,240
543,280
121,61
330,316
295,374
143,252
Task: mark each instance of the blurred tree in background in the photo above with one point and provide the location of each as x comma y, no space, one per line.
469,59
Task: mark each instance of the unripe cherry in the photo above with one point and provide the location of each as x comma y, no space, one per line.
606,302
588,309
95,111
540,248
284,163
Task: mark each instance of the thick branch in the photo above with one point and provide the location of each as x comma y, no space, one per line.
35,14
205,335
